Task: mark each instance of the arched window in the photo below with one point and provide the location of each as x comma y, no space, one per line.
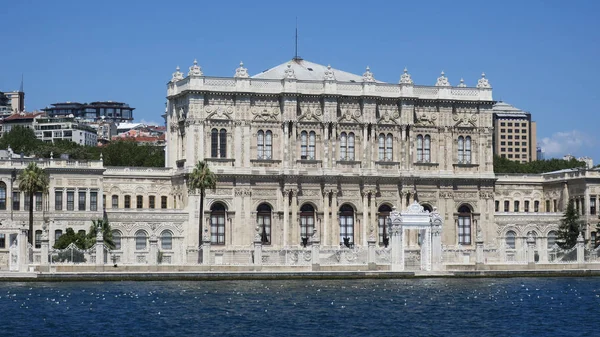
551,239
347,225
217,224
214,143
468,150
307,222
427,149
140,240
343,146
516,206
116,236
312,136
260,144
303,145
423,149
223,143
381,142
461,150
2,195
347,146
464,225
264,142
166,240
264,223
511,239
386,143
384,213
38,239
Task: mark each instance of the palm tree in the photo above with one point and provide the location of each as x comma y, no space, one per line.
106,233
201,178
33,179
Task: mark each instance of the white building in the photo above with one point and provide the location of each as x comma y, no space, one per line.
51,129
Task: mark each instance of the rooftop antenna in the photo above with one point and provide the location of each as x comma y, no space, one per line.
296,57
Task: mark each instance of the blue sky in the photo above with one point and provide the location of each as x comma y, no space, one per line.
541,56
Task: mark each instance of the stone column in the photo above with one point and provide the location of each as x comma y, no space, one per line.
286,217
326,141
99,249
479,258
436,247
295,228
286,140
580,249
237,139
206,247
530,250
23,251
335,223
153,254
373,210
397,246
365,221
44,262
257,250
371,242
365,144
543,249
315,251
426,251
325,228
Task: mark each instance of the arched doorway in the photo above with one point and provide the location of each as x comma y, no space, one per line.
383,214
307,222
264,223
347,226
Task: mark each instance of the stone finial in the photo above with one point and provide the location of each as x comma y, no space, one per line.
405,77
462,83
368,76
195,69
289,72
101,157
51,155
442,81
483,82
177,75
329,75
241,72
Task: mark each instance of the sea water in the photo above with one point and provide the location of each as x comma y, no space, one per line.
405,307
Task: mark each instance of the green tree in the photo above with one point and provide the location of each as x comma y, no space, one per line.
21,140
130,153
106,233
201,179
33,179
505,165
79,239
569,228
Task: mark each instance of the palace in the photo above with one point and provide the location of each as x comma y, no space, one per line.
308,155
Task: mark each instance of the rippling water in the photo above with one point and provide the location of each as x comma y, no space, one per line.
417,307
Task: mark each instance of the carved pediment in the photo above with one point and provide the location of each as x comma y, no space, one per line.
311,115
465,119
266,113
218,112
350,116
426,118
388,115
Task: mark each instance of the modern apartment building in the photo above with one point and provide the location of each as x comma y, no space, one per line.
95,111
514,133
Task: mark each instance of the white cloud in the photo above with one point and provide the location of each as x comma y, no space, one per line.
143,121
569,142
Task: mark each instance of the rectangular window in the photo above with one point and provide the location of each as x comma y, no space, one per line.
506,205
502,143
26,203
93,201
2,241
523,143
516,206
163,201
58,200
81,204
151,201
548,206
502,124
57,234
592,206
127,201
70,200
523,137
38,201
509,130
516,130
517,149
509,124
502,130
497,206
555,205
516,137
536,206
115,201
510,137
510,156
139,201
464,230
104,201
16,202
524,149
502,137
526,206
